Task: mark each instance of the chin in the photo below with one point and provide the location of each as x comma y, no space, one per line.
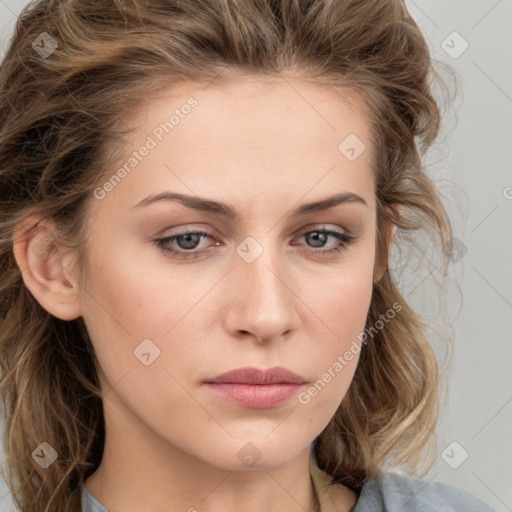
255,454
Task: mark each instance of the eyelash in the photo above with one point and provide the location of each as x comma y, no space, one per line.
344,241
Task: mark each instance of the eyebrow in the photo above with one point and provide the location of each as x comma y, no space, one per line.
228,211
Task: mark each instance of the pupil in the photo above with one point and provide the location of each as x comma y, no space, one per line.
316,236
191,240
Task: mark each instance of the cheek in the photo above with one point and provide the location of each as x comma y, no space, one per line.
130,300
128,311
344,299
134,297
343,310
119,308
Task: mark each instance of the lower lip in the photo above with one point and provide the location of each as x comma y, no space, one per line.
257,396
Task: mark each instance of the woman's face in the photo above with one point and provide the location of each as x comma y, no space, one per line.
260,290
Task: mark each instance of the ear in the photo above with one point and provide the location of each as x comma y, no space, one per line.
390,229
45,267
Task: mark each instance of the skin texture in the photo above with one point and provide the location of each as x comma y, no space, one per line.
265,148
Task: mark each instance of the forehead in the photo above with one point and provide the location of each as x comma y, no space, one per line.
254,134
257,105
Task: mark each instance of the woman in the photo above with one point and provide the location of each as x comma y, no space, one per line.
198,205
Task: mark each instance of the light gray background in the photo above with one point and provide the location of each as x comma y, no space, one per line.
472,165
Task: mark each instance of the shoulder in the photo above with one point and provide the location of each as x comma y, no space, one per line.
391,492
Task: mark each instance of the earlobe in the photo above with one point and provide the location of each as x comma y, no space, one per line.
45,267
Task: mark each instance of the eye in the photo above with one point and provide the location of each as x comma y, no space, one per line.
318,238
188,241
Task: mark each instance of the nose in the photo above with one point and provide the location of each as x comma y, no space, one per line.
262,303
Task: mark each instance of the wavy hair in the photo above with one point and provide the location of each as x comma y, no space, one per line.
62,127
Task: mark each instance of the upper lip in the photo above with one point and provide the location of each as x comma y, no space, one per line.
248,375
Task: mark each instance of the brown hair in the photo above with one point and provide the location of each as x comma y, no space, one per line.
62,129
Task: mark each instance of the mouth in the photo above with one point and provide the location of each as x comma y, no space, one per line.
255,388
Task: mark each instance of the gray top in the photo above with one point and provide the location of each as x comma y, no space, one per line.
388,493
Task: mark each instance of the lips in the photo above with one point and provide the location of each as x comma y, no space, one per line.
248,375
254,388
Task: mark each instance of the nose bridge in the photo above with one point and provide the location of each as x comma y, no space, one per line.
263,270
262,274
263,300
